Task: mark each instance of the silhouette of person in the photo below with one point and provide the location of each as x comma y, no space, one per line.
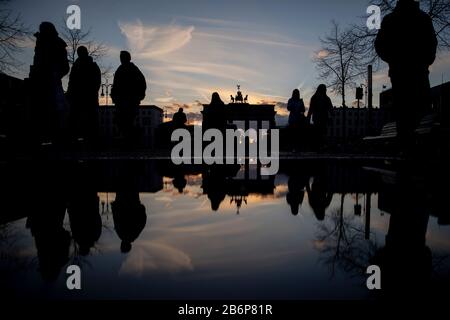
296,108
319,113
46,220
82,93
296,193
407,42
129,214
83,210
127,92
50,65
214,184
319,197
216,113
179,182
179,119
405,260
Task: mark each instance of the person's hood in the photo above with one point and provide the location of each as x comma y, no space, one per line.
407,5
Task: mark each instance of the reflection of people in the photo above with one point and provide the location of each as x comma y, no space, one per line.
179,118
46,221
129,214
407,42
319,112
127,92
179,182
82,92
83,210
405,260
319,197
50,65
296,194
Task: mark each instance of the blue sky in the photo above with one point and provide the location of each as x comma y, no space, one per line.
189,49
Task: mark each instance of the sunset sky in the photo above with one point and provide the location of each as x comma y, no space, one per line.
189,49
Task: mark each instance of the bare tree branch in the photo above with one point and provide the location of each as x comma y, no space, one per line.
75,38
342,59
12,34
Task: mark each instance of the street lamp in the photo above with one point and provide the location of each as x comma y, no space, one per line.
105,88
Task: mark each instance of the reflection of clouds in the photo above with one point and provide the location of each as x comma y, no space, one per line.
153,257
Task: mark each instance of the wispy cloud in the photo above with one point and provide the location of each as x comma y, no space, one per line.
149,42
192,61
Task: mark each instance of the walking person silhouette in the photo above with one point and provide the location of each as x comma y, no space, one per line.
297,120
407,42
319,111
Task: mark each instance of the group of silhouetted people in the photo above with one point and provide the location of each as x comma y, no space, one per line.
310,129
72,116
406,41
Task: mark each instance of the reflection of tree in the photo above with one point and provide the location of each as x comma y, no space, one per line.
341,241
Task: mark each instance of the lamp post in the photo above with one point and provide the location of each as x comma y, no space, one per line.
105,88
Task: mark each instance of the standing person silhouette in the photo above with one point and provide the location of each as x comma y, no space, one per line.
127,92
50,65
179,119
84,84
319,111
407,42
296,107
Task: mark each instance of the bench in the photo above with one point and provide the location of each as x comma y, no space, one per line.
388,132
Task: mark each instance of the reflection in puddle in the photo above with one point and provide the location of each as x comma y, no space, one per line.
159,231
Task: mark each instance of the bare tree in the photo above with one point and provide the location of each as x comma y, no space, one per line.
12,33
76,37
342,59
343,244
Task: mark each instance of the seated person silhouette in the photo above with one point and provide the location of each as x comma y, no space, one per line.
179,119
127,92
407,42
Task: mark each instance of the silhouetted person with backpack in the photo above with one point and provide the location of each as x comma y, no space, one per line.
407,42
50,65
127,92
84,84
319,112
